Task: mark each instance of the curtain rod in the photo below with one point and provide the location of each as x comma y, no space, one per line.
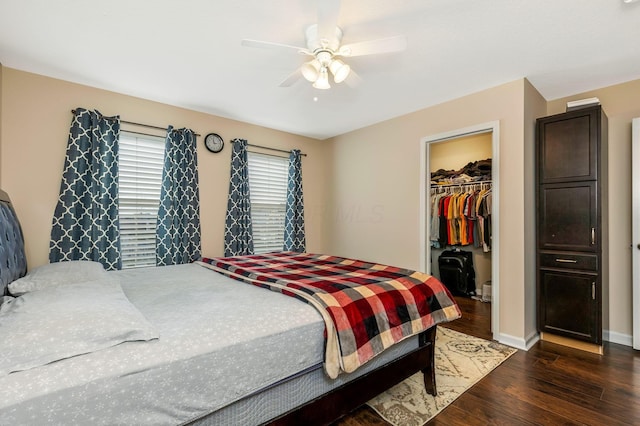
271,149
138,124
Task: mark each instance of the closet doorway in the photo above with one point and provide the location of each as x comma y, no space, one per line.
463,150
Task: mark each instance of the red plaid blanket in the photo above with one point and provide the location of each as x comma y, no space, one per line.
367,307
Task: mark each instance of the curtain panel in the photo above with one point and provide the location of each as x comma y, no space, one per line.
238,230
85,222
178,236
294,236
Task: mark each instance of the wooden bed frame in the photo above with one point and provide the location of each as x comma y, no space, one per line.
339,402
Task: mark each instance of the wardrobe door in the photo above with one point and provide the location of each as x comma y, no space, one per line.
568,216
568,148
569,304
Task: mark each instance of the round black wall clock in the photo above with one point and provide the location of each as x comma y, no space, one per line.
214,142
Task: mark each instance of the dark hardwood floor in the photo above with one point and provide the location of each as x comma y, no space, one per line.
548,385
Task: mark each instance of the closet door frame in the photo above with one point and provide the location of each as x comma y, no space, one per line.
492,127
635,242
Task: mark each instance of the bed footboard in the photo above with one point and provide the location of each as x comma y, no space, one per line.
330,407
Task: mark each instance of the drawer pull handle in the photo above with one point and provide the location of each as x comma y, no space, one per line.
593,236
566,261
593,291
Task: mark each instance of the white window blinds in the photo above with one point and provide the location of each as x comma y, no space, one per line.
141,159
268,188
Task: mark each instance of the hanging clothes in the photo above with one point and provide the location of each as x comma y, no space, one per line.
461,215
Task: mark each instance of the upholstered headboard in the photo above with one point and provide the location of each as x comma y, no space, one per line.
13,261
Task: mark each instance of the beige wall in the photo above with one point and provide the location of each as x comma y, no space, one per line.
621,103
361,188
535,106
376,177
34,129
373,209
453,154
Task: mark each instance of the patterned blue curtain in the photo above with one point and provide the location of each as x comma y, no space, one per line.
294,239
85,221
238,230
178,228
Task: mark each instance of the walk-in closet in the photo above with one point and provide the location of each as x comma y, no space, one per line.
460,222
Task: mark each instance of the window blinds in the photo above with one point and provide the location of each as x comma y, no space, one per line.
268,187
141,161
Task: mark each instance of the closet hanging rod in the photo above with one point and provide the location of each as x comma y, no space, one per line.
272,149
448,185
133,123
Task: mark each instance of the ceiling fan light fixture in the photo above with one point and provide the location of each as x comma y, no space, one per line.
326,51
323,80
311,70
340,70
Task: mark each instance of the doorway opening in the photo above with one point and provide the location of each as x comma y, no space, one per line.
446,150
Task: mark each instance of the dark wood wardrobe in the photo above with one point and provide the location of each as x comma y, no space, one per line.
571,223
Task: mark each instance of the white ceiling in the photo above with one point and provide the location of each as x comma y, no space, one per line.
188,53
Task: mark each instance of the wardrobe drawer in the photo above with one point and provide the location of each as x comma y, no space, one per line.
588,262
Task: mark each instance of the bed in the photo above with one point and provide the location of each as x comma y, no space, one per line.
173,345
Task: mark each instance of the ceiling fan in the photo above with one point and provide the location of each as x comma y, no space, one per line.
324,45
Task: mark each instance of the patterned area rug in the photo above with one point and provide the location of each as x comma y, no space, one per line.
461,361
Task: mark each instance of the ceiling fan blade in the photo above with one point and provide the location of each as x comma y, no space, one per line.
274,46
372,47
328,11
353,80
291,79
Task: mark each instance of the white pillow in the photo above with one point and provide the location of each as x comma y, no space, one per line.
59,322
57,273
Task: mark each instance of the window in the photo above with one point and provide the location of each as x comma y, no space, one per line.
268,189
140,179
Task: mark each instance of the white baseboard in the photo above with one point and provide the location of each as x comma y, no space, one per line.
615,337
532,339
518,342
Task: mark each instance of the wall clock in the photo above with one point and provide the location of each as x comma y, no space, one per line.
214,142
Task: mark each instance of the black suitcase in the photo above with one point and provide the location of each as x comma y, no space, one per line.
457,273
